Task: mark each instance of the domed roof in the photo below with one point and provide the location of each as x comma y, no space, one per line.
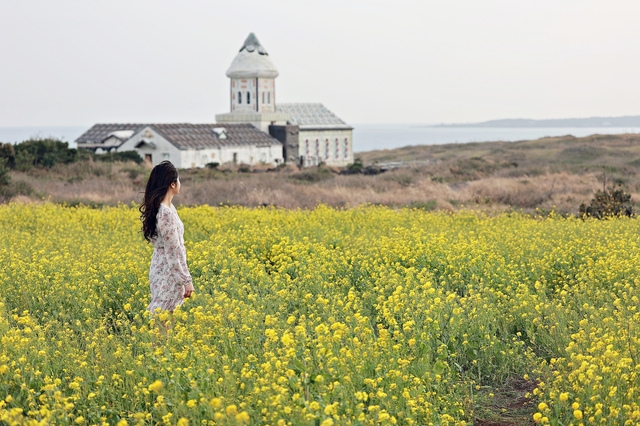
252,61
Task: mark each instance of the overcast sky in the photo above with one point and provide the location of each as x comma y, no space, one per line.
72,62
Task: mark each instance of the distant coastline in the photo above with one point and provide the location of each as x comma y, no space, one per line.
625,121
20,134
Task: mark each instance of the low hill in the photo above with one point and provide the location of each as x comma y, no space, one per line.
617,156
625,121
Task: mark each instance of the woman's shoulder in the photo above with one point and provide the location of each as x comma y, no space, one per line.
164,211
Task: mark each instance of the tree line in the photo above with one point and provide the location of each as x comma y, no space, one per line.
46,153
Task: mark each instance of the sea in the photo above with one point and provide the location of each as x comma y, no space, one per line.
369,137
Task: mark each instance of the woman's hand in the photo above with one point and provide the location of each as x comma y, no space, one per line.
188,289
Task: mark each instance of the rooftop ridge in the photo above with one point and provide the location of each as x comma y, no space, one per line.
252,43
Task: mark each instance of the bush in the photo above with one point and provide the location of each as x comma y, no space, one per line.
608,203
213,165
133,173
43,152
16,188
355,167
120,156
7,153
312,175
5,179
372,170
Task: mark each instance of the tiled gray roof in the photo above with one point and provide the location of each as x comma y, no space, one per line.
186,135
99,132
315,116
194,136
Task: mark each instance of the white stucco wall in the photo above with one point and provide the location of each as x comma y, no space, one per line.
252,155
163,150
266,95
331,138
191,158
240,88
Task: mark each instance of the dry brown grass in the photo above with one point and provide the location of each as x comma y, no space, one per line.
499,176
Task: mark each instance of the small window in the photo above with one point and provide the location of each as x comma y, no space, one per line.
307,145
262,97
268,97
346,148
336,154
317,148
239,97
165,155
248,97
326,149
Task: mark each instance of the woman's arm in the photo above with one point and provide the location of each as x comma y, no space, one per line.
173,247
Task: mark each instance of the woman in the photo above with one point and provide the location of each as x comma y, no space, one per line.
169,276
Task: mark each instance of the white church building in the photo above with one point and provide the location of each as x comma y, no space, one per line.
257,130
186,145
311,134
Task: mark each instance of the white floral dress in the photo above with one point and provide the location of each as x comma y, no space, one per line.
168,273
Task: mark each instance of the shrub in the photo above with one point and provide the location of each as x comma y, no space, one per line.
7,153
43,152
355,167
607,203
213,165
372,170
5,179
120,156
16,188
317,174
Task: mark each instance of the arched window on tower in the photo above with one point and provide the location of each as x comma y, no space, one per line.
248,97
239,97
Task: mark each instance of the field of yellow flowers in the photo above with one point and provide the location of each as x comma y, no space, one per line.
360,316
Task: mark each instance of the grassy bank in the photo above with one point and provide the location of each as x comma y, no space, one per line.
551,173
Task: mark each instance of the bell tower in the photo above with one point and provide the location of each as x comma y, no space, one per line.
252,93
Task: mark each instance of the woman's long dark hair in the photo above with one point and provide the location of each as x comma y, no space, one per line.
161,178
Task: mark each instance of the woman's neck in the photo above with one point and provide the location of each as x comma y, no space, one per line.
167,199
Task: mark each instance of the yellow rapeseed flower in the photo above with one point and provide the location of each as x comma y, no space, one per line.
156,386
